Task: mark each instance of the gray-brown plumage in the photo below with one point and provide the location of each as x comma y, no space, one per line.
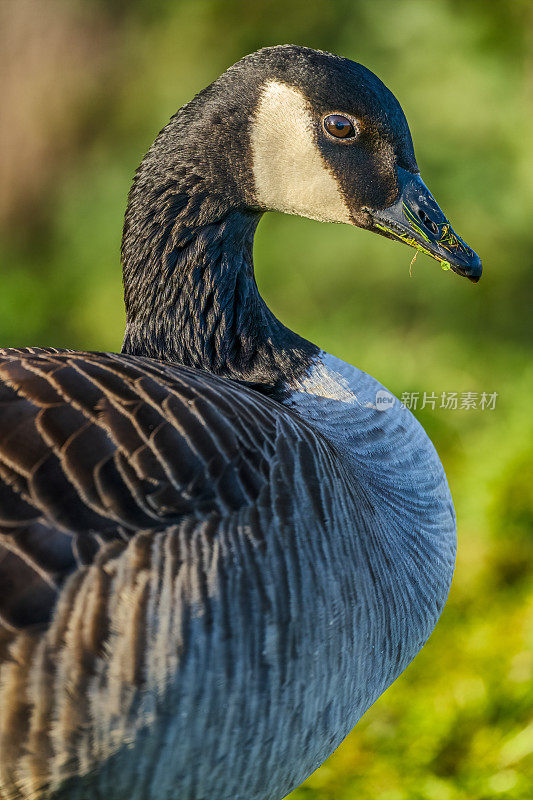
216,551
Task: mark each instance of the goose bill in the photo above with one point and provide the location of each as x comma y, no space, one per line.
416,219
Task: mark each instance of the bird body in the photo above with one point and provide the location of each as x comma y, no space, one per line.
216,550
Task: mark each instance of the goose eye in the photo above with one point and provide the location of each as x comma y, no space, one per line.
339,126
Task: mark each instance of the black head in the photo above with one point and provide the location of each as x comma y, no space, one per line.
305,132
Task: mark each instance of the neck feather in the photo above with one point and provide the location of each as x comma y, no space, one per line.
190,290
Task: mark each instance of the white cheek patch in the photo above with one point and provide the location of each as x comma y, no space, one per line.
289,171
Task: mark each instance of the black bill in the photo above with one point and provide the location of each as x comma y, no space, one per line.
417,220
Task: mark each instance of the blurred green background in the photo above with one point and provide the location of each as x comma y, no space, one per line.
85,88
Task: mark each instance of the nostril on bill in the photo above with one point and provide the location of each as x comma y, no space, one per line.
430,225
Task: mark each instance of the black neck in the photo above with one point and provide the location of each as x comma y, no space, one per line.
190,292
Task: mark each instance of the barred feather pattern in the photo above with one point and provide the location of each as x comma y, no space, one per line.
202,590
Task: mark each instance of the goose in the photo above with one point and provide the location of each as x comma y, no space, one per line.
217,549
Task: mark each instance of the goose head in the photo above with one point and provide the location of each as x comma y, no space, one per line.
305,132
329,141
287,129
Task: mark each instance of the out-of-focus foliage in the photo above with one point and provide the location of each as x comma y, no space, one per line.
87,85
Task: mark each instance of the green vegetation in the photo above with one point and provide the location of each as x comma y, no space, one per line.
89,84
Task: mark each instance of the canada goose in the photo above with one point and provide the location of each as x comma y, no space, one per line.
217,551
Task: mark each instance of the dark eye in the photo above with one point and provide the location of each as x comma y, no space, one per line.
339,126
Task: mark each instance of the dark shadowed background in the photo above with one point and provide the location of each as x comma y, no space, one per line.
85,86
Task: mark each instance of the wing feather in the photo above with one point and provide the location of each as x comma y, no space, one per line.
95,447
